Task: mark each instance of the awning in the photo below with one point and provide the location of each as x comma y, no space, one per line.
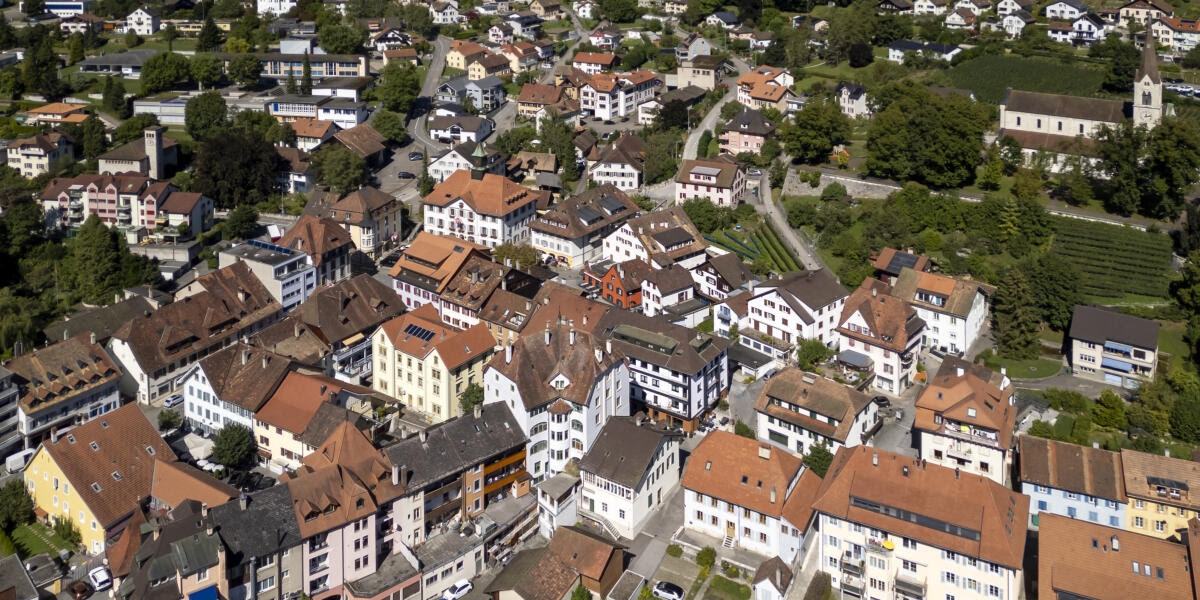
208,593
1116,365
857,360
1117,347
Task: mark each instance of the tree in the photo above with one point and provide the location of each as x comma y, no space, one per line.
169,419
234,446
93,138
169,35
706,557
861,55
235,166
242,222
702,148
620,11
1041,429
470,398
1185,418
661,149
40,72
522,256
1054,282
95,261
67,531
580,593
390,125
418,19
306,82
706,216
163,70
673,115
815,130
1173,166
818,459
74,48
245,69
1123,60
424,181
847,27
210,36
1015,319
342,39
16,507
205,70
339,168
33,8
399,87
205,114
132,39
1191,60
1109,410
289,85
810,353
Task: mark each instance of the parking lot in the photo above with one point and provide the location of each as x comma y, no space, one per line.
682,571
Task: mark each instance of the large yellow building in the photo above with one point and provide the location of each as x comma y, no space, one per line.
97,473
1158,487
426,364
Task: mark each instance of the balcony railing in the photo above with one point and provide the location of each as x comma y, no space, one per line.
880,546
909,587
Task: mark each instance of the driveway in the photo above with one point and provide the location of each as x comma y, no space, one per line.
896,435
691,146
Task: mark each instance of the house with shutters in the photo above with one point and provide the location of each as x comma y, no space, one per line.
966,422
572,232
746,133
1115,348
954,309
631,467
660,238
797,411
777,314
1069,480
884,329
326,241
621,164
721,181
481,207
465,157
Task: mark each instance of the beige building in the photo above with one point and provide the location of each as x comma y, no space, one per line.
299,416
1111,347
963,421
39,154
370,216
426,364
702,71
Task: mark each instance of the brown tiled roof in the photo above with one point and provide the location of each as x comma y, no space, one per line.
232,299
536,574
775,571
891,320
180,203
958,294
174,482
671,219
492,62
1048,141
57,108
798,507
1144,473
316,236
352,307
815,393
583,551
727,167
537,93
1071,467
1077,559
670,279
595,58
969,402
507,310
557,304
476,281
800,289
434,259
630,273
455,348
535,363
110,461
244,375
298,397
493,195
135,150
293,339
296,159
884,262
1075,107
972,502
466,48
48,142
72,368
744,472
362,139
312,128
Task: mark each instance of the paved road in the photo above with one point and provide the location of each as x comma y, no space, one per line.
416,123
767,206
690,147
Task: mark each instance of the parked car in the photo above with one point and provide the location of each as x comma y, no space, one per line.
405,175
415,156
882,401
79,590
665,590
461,588
754,172
390,260
174,400
101,579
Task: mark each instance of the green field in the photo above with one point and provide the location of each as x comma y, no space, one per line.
989,76
1023,369
1114,260
750,243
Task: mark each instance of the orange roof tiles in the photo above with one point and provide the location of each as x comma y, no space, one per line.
492,195
595,58
744,472
454,347
175,482
312,128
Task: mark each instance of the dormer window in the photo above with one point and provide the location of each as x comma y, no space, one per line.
971,413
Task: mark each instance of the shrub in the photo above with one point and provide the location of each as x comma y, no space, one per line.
706,557
65,528
743,429
675,550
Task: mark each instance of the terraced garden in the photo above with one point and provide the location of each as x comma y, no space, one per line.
1114,261
762,241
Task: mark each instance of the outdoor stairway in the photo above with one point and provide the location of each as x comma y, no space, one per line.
728,543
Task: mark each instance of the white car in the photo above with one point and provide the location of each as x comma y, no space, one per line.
101,578
665,590
461,588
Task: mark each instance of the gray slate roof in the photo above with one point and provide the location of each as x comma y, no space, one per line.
1098,325
624,451
267,525
457,444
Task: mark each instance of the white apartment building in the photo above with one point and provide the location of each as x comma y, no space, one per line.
612,96
678,375
39,154
798,410
288,274
777,314
142,22
721,275
664,288
965,422
481,208
561,386
660,238
465,157
229,386
1179,35
558,503
572,231
275,7
751,495
897,527
886,331
618,168
1112,347
632,466
720,180
954,310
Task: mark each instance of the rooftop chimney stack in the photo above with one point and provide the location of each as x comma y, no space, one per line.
243,501
875,460
245,356
395,474
478,411
960,371
547,334
507,352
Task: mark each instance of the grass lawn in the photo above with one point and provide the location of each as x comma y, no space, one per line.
1051,335
29,543
1170,338
1024,369
724,589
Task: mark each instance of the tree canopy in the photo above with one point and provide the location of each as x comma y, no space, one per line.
339,168
205,114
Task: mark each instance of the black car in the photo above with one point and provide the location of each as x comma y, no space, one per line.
415,156
390,260
881,401
405,175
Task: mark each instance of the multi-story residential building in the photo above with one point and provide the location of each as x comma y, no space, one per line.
143,21
753,496
677,374
154,350
896,525
288,274
1077,559
1160,503
663,289
719,276
372,217
572,231
178,555
618,284
747,132
465,157
890,263
965,422
622,164
1112,347
66,480
461,52
481,207
562,386
484,94
536,96
558,502
612,96
703,72
274,7
798,410
124,201
778,314
1180,35
332,328
661,238
757,87
492,65
468,290
262,535
277,65
426,364
58,112
300,414
310,133
720,180
229,386
1073,481
522,56
884,329
594,63
1144,12
55,387
42,153
424,269
326,242
631,467
343,112
954,309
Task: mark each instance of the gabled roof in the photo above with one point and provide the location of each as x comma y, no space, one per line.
349,308
362,139
69,369
957,295
459,443
968,402
135,150
1145,473
605,59
1099,325
1056,105
536,574
421,332
244,375
431,260
812,289
583,551
174,482
316,236
46,142
596,209
306,127
892,322
1078,559
892,261
537,93
110,461
723,169
492,195
865,485
816,395
661,343
665,234
542,357
751,122
624,450
1071,467
776,572
265,526
744,472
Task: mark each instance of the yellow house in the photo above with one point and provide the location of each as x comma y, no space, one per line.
1158,487
296,418
97,474
426,364
462,51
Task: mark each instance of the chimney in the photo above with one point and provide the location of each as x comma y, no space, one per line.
772,494
585,319
571,323
66,334
547,333
599,355
751,287
875,460
504,283
608,346
905,470
245,356
323,387
296,329
424,435
243,501
956,473
403,475
874,292
528,305
204,509
332,397
154,148
395,474
764,452
265,360
478,411
507,352
18,348
960,371
92,338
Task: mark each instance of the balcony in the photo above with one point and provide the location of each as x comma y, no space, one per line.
880,546
909,588
906,359
852,566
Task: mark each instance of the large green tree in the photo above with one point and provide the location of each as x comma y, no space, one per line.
234,446
242,222
16,507
399,87
1054,283
1150,171
815,130
205,115
620,11
342,39
163,70
1015,318
210,36
205,69
245,69
234,166
339,168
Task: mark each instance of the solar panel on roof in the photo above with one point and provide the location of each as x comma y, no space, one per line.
612,204
588,215
419,332
901,260
706,171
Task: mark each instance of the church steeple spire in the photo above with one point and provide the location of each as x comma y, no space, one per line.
1147,86
1149,66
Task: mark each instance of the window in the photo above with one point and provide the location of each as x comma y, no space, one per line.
202,575
266,584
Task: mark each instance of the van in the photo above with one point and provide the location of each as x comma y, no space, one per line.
16,462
